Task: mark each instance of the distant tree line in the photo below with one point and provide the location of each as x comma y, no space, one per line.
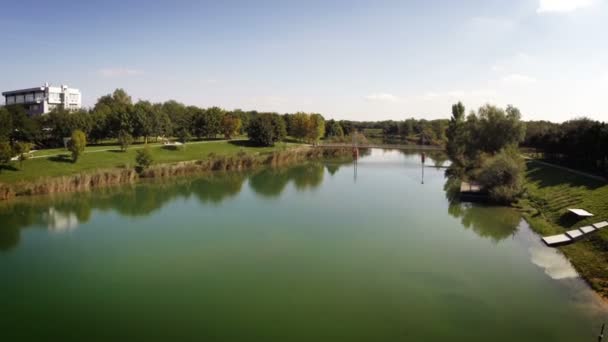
116,116
416,131
580,143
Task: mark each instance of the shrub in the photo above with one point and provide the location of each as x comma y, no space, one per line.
502,175
125,140
22,149
6,153
143,158
262,131
77,144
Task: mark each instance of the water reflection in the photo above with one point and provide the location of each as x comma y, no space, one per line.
495,223
59,221
65,212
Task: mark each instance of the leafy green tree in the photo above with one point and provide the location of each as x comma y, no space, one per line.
493,129
6,124
162,126
316,128
456,134
262,130
125,139
231,125
144,118
24,128
279,127
143,158
179,116
183,135
6,153
77,144
300,123
22,149
213,122
334,129
502,175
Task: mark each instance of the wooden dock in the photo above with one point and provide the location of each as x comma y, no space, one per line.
573,235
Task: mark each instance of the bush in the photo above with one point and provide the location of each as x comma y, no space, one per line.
22,149
502,175
77,144
266,129
6,153
143,158
125,140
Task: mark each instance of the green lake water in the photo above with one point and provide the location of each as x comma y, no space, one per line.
318,252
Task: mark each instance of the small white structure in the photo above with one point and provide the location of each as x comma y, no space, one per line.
556,240
600,225
580,212
574,234
587,229
41,100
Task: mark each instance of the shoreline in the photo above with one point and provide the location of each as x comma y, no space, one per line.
103,178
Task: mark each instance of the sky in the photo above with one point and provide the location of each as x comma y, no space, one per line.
357,60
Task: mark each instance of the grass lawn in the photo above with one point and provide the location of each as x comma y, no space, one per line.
57,162
551,192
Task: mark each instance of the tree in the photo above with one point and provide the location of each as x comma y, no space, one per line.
143,120
183,135
456,134
279,127
6,153
77,144
208,123
22,149
493,129
299,125
143,158
334,129
125,139
316,128
502,175
231,125
262,130
6,124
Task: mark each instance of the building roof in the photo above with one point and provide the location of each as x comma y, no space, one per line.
580,212
21,91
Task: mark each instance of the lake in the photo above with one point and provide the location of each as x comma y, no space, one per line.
372,251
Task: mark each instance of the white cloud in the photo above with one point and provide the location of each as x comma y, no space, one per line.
382,97
518,79
119,72
563,6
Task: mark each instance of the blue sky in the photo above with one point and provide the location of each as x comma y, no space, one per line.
360,60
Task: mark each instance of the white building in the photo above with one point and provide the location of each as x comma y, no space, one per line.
41,100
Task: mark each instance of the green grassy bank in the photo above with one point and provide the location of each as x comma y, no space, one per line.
106,168
551,191
57,162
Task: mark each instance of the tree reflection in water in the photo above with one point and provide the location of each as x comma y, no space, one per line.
493,222
64,212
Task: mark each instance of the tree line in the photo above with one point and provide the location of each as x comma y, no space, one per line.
580,143
116,115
